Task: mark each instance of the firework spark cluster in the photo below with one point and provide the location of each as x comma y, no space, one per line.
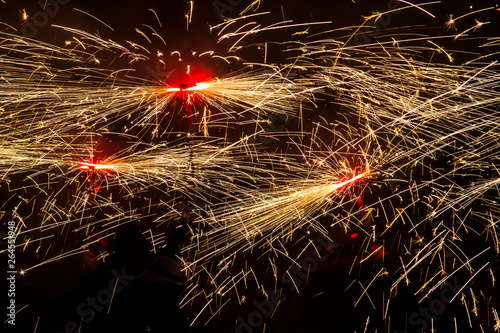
389,142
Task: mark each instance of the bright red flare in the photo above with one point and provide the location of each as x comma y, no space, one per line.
349,181
95,166
198,86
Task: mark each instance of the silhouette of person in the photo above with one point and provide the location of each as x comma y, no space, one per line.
151,304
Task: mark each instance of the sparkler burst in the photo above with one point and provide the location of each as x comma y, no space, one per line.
312,166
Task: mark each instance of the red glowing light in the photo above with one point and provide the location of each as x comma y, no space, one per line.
188,74
196,87
96,166
349,181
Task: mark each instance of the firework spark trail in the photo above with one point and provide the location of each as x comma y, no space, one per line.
463,105
263,219
209,164
82,97
197,170
18,157
416,101
407,111
259,90
363,93
456,104
54,100
87,106
272,216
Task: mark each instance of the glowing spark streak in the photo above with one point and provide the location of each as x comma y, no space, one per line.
92,16
229,22
466,283
409,3
254,4
68,254
243,224
407,268
272,27
94,166
352,180
453,273
156,15
189,15
472,13
200,312
112,295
